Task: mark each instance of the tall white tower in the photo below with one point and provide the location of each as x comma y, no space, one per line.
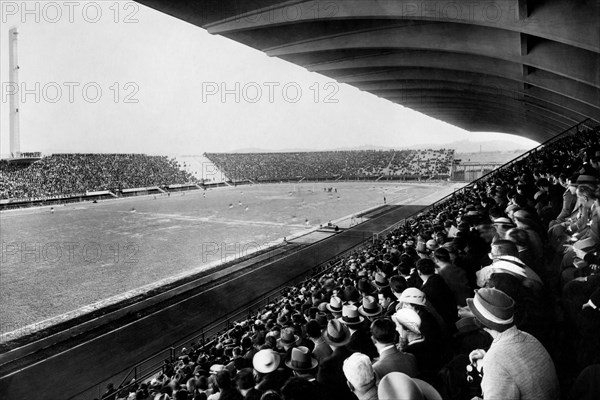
14,128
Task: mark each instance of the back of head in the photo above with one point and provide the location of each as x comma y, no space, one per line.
313,329
244,379
398,284
426,266
384,330
299,388
386,292
223,379
442,255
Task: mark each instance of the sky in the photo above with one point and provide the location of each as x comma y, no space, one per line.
118,77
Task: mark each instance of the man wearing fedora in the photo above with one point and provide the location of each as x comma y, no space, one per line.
360,339
330,373
370,308
383,333
516,366
301,361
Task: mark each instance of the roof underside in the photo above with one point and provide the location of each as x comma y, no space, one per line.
530,68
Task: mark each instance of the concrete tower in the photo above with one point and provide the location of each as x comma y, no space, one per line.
14,128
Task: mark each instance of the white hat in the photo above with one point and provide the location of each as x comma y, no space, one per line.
409,319
413,296
266,361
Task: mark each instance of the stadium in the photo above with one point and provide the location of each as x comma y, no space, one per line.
318,271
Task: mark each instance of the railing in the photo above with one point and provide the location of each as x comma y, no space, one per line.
213,332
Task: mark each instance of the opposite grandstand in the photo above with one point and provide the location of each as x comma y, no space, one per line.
403,164
66,174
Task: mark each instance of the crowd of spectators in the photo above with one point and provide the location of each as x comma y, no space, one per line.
357,164
493,293
65,174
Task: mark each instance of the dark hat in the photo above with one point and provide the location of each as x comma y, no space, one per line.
350,316
365,286
337,334
493,309
370,307
301,360
321,319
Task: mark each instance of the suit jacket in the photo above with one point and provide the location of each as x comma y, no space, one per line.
361,342
441,298
321,350
393,360
331,375
391,308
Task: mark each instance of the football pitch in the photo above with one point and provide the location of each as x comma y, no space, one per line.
66,259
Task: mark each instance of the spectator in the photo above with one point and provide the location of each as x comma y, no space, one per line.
360,376
383,332
516,366
331,374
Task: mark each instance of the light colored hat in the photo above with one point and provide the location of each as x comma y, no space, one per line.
335,304
370,307
216,368
350,316
409,319
380,280
359,371
413,295
337,334
266,361
397,385
509,267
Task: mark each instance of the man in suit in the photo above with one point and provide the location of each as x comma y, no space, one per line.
387,300
383,333
360,338
331,373
437,292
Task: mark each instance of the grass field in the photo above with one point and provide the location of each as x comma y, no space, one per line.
56,262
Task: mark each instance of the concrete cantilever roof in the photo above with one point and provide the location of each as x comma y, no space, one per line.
526,67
